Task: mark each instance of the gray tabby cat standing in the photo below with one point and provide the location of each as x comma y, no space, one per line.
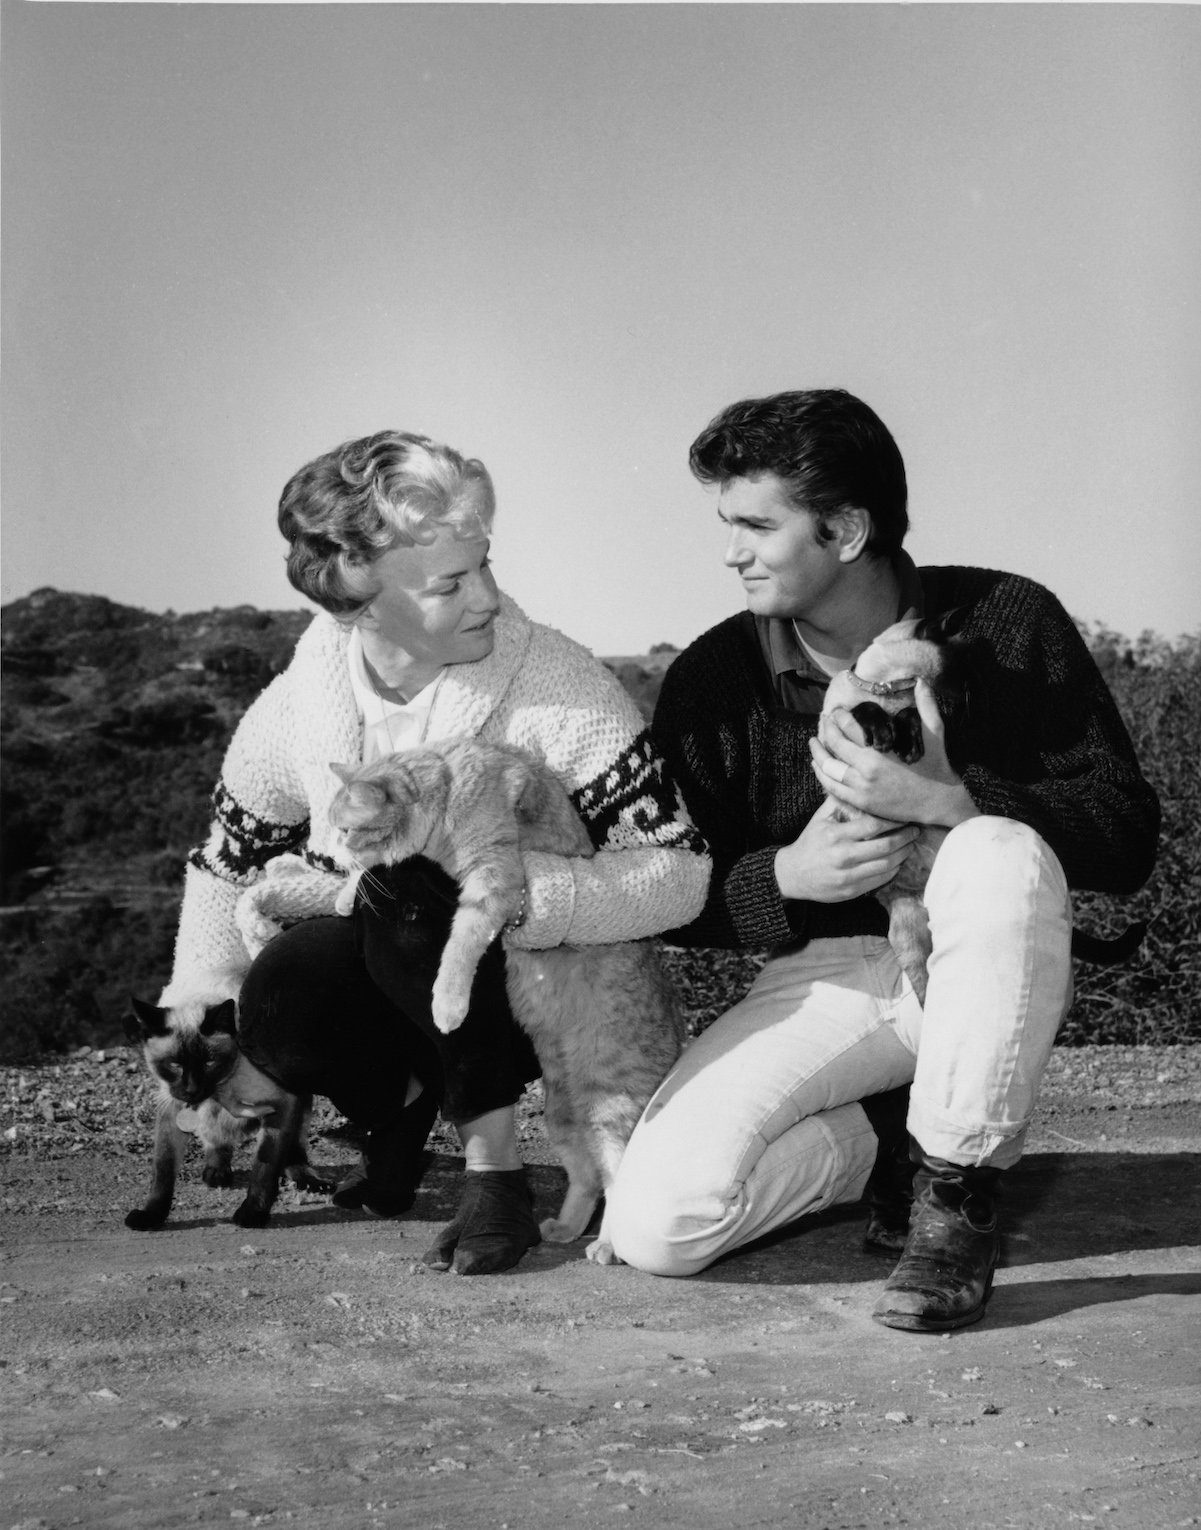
603,1019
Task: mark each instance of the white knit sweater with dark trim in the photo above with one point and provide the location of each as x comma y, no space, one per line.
271,843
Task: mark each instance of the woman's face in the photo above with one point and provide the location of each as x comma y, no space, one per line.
437,602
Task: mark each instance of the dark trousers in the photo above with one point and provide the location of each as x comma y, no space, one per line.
341,1007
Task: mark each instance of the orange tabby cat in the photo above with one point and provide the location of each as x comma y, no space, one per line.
603,1019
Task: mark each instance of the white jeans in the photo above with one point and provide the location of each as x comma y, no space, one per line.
756,1124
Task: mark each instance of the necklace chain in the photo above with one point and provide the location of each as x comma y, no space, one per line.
385,716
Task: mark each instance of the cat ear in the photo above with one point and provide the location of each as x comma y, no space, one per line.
344,773
369,795
220,1020
962,660
942,625
522,788
144,1020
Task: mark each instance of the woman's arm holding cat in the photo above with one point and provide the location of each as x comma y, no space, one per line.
651,868
617,895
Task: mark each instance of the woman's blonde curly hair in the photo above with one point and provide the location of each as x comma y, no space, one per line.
346,508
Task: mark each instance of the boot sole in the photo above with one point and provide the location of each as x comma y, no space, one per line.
913,1322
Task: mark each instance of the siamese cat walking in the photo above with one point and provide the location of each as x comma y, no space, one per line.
191,1050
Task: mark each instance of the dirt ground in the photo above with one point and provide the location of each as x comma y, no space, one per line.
315,1373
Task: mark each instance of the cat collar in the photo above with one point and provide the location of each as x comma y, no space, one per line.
882,687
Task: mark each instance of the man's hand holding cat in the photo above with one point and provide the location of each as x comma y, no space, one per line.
831,860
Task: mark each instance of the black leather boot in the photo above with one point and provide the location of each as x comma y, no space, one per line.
889,1189
945,1275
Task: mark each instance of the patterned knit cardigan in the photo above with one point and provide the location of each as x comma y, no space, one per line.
1041,742
270,846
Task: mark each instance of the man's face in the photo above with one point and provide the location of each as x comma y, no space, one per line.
784,567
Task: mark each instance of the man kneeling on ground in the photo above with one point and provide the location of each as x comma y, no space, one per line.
795,1099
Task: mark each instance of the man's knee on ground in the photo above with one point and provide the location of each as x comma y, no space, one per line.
651,1233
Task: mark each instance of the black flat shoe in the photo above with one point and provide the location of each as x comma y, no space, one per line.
493,1228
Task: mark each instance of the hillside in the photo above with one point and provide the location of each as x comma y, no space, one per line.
114,722
113,726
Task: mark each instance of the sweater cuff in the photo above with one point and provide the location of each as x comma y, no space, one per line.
549,902
757,910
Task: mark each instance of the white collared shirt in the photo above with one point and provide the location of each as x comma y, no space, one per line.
387,726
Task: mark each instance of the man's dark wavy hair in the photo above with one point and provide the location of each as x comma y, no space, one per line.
828,447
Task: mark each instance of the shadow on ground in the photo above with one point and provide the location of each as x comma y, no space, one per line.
1058,1207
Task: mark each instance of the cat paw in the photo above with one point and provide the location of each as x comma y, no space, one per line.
145,1219
554,1231
308,1179
600,1251
448,1014
256,930
344,902
250,1215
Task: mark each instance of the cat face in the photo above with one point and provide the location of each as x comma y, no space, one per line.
388,811
190,1062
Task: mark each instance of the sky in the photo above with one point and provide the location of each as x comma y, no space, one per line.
563,237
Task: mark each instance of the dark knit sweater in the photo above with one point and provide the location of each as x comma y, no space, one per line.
1041,742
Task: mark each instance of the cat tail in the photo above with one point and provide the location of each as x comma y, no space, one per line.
909,936
1108,951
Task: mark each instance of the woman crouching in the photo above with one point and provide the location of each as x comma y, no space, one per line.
414,644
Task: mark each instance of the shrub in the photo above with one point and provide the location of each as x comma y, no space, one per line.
1156,997
67,975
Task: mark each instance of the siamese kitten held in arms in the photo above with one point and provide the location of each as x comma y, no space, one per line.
879,691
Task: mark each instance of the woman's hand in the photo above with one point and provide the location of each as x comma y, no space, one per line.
831,861
927,792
